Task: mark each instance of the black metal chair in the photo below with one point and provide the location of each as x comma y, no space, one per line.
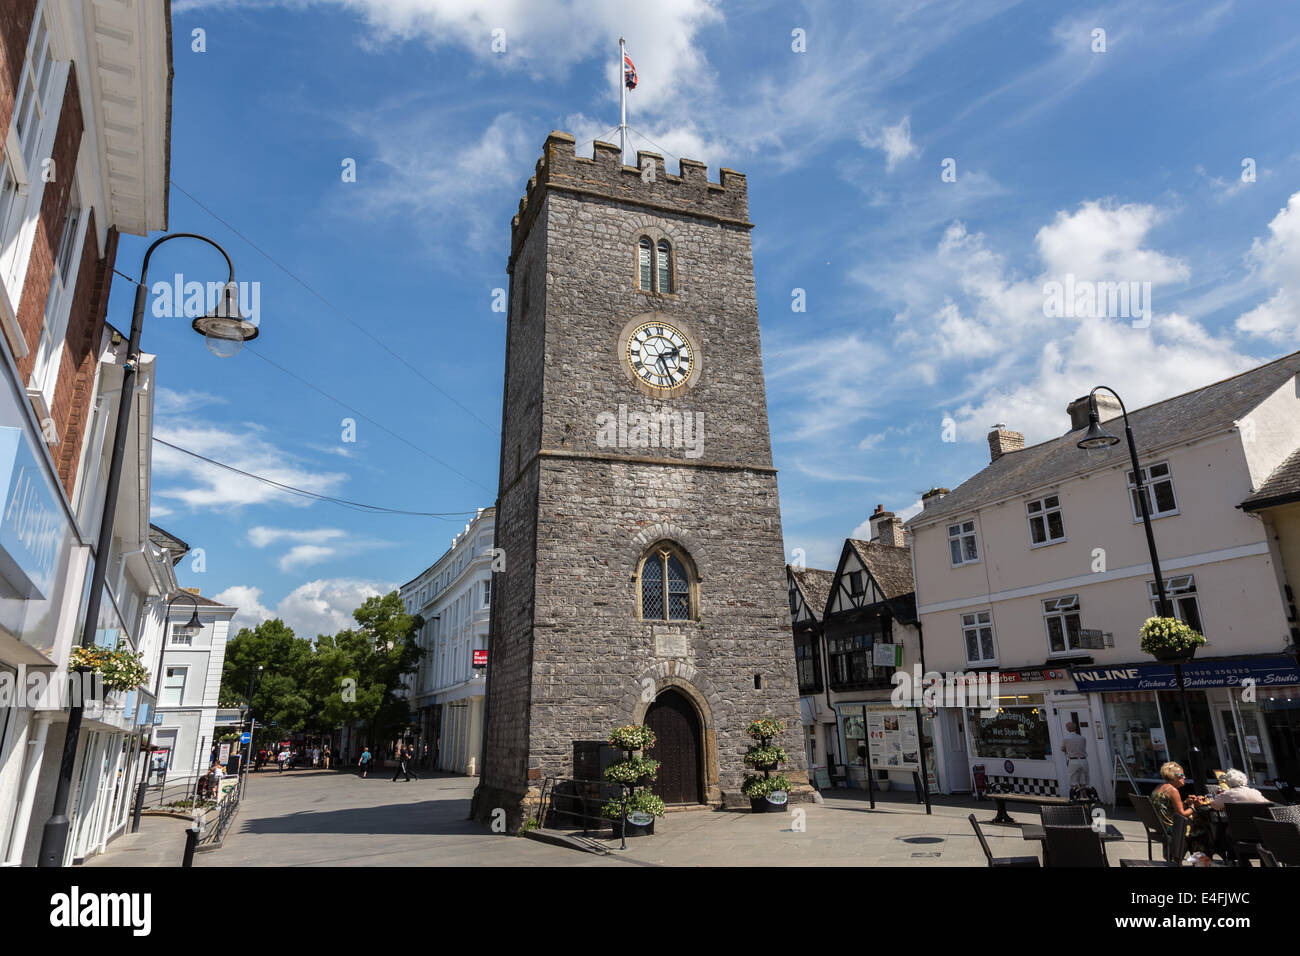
1074,846
1075,815
999,860
1288,814
1175,844
1150,822
1281,839
1243,837
1266,858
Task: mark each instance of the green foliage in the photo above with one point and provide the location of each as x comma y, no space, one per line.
765,758
632,737
758,787
765,728
630,771
1168,635
642,800
529,824
120,669
338,679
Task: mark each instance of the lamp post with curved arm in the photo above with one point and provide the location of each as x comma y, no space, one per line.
224,329
1098,438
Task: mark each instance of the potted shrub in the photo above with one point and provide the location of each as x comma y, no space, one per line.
120,669
1169,639
766,793
636,773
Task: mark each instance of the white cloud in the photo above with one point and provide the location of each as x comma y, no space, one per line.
894,141
1276,260
168,401
312,608
1102,241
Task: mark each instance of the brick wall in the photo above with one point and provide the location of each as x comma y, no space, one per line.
15,30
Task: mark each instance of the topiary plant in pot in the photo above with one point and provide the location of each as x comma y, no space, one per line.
1169,639
766,793
635,773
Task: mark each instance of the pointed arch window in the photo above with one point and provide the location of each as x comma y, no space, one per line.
667,584
654,265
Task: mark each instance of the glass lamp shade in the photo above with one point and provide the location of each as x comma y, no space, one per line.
225,330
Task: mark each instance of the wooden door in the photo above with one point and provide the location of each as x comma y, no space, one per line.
677,748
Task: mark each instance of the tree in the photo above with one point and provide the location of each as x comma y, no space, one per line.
279,688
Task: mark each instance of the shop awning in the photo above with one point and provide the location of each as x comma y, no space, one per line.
1266,672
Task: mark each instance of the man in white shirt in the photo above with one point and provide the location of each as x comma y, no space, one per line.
1075,747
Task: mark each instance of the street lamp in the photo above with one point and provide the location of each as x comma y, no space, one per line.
191,627
225,331
1097,439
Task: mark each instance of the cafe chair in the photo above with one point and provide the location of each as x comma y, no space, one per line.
1281,839
1175,846
999,860
1150,822
1074,846
1289,814
1267,859
1075,815
1243,837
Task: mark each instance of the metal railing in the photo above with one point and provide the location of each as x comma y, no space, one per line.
214,831
569,804
174,793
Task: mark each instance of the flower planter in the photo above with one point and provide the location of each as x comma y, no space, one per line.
1174,657
760,805
634,829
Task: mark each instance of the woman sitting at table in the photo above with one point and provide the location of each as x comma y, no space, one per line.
1237,791
1168,804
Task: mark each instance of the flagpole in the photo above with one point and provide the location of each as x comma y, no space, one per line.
622,89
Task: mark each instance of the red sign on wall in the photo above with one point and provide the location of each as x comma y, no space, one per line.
480,658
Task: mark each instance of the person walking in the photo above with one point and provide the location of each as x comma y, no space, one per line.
364,761
325,755
282,758
410,761
402,767
1075,747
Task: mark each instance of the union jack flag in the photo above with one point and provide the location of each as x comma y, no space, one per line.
629,72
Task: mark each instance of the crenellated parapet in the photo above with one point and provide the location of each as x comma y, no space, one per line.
647,184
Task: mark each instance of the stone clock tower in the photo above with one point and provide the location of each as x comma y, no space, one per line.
644,577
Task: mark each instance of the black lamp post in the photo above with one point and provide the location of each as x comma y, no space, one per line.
225,331
192,626
1097,438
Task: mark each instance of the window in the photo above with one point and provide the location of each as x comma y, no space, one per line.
487,593
1181,592
1045,524
962,544
807,665
33,100
666,585
182,636
1158,489
857,583
654,265
1062,617
977,634
1018,731
45,371
850,658
173,689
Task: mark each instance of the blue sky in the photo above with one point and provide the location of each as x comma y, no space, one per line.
924,297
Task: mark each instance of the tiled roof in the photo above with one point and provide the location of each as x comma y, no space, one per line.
816,587
1281,486
1206,410
892,569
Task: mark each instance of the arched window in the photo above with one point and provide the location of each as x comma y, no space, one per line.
645,260
667,581
665,264
654,265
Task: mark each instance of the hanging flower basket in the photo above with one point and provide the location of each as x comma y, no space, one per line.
1169,639
632,737
120,669
765,729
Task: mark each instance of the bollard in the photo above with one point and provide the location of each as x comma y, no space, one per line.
139,807
191,841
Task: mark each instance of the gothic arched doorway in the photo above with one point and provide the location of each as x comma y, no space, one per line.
677,748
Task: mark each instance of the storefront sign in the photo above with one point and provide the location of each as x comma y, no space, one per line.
480,658
1264,671
32,525
887,655
1017,677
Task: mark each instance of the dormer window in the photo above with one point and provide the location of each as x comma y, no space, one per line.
654,265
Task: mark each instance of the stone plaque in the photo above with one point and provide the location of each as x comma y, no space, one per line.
670,645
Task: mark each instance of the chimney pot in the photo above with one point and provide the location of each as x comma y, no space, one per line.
933,496
1108,407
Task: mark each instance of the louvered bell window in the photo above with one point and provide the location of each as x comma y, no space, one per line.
645,253
665,267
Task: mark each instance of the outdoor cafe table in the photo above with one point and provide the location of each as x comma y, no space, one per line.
1036,831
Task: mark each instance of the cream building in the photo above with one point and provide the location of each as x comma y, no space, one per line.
1037,568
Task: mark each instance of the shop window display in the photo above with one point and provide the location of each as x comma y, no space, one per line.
1018,731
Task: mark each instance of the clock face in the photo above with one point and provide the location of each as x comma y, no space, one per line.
660,355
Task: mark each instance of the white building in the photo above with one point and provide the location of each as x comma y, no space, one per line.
84,152
454,596
190,684
1037,567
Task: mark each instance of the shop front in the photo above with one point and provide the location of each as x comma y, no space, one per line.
1013,730
1245,713
855,722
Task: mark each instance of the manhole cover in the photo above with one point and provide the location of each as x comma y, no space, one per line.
925,853
922,839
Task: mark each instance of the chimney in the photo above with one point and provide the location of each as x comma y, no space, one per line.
1107,408
932,497
877,516
888,529
1002,442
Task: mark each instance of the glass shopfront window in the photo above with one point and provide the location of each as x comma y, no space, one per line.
1137,734
855,736
1018,731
